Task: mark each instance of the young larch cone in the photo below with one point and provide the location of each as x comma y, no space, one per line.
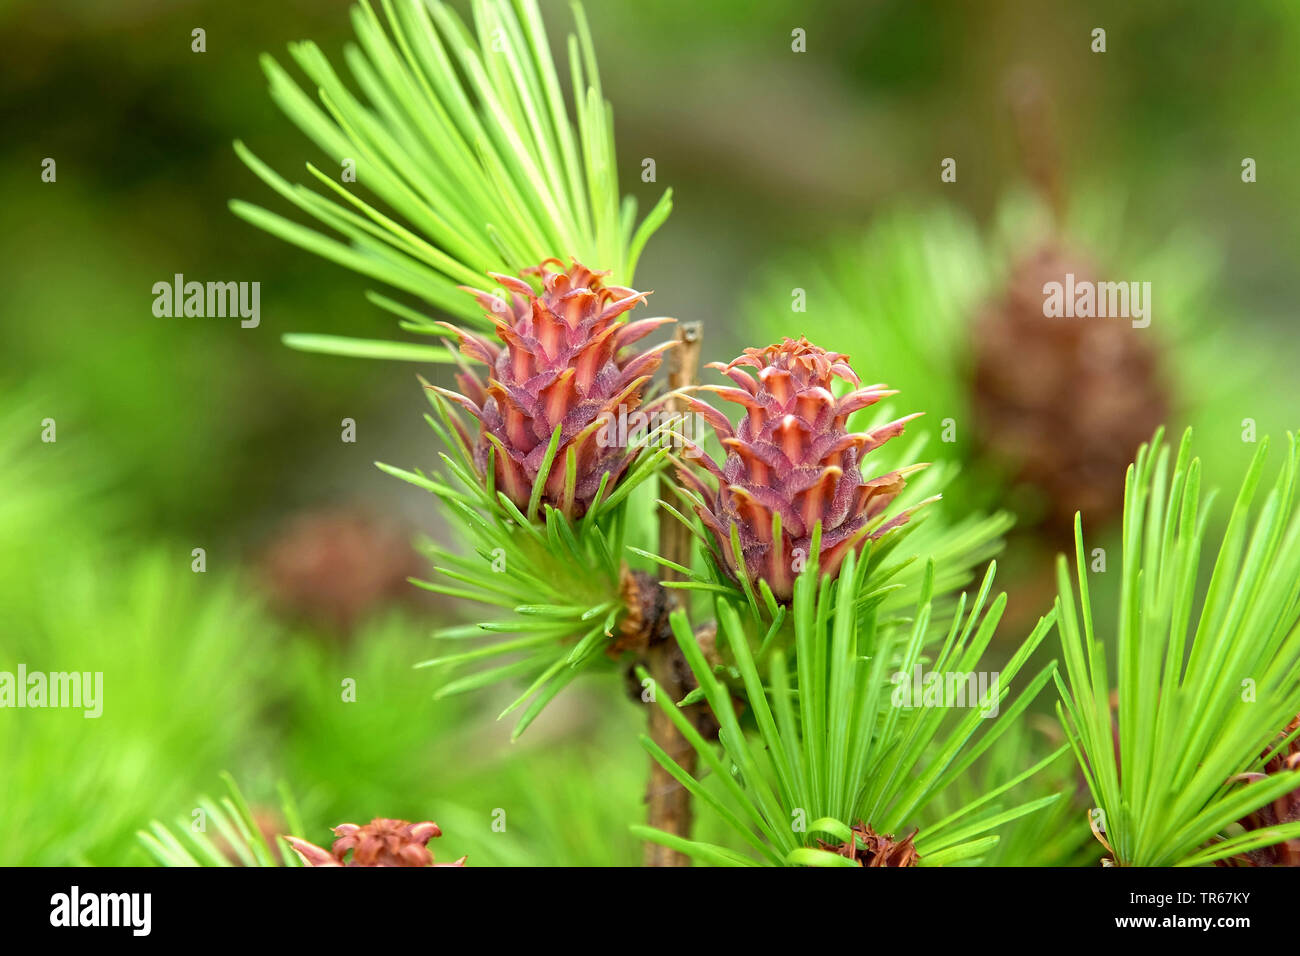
335,567
1062,403
1285,809
791,464
563,362
868,848
380,842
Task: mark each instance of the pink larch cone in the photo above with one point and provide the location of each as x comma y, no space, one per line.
563,361
1284,809
792,457
380,842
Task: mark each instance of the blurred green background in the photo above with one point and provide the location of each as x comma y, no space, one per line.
175,434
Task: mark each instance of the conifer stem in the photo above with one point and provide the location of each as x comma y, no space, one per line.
668,803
